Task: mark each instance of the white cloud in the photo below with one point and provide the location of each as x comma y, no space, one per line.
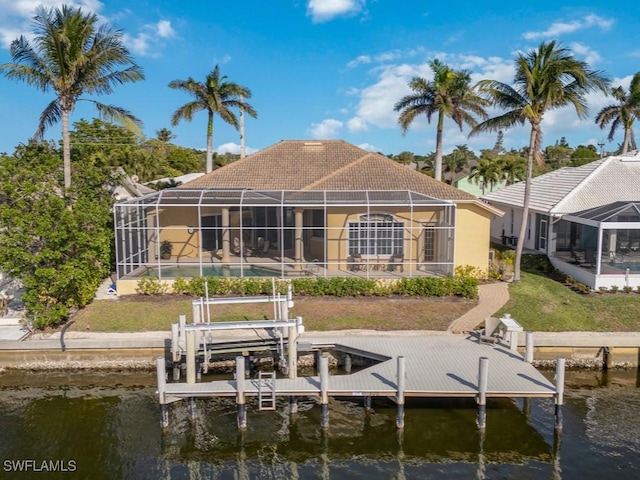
324,10
360,60
368,147
148,42
559,28
385,57
590,56
328,128
231,147
164,29
357,124
17,15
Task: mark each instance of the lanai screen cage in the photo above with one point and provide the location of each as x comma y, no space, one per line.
185,232
605,239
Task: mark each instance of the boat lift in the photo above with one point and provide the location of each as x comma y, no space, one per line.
187,340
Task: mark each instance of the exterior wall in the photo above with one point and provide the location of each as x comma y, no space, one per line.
337,234
472,243
509,225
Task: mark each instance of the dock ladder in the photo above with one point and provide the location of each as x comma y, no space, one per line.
266,390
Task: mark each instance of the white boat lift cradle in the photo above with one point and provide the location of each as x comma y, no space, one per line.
439,366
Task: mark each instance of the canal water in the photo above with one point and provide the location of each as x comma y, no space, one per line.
106,426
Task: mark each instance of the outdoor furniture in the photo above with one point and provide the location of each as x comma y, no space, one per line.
396,262
355,263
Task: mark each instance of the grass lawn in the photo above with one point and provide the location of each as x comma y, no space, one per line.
537,302
541,304
140,313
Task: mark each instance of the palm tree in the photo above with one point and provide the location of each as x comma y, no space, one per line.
487,173
215,95
449,94
72,55
624,113
547,78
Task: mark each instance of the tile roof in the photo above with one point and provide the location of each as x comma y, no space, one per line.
323,165
573,189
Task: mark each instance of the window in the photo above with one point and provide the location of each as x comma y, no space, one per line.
376,234
429,244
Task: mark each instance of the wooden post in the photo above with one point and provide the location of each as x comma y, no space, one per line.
175,348
191,356
324,391
528,349
240,396
400,393
483,378
347,363
367,403
191,408
513,340
162,382
182,335
607,359
292,344
560,362
293,404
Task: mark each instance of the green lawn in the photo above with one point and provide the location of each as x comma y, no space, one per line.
541,304
538,303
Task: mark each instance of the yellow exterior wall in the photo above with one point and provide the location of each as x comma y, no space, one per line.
472,236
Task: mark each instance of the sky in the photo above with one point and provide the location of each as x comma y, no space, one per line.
331,69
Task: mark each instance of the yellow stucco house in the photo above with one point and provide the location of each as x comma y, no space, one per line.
325,208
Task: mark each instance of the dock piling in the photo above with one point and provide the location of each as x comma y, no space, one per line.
367,403
513,340
293,404
347,363
324,391
528,350
191,408
162,383
400,393
483,378
191,356
560,364
240,393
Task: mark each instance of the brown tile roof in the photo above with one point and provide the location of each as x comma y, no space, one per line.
323,165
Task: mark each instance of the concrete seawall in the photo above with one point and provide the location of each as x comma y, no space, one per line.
117,351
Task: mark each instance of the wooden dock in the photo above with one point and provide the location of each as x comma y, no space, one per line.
421,366
435,367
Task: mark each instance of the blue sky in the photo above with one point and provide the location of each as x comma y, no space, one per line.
323,69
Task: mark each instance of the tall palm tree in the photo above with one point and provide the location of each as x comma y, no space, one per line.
214,95
72,55
623,113
449,94
547,78
487,173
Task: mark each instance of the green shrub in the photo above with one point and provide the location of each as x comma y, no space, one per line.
151,286
613,289
603,289
627,289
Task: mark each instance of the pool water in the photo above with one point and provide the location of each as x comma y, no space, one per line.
194,271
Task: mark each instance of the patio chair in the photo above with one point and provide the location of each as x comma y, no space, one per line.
236,245
578,257
355,263
396,262
262,251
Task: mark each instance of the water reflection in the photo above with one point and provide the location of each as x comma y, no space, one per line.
109,425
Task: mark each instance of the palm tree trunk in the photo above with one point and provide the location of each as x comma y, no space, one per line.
66,152
625,143
209,164
437,169
527,195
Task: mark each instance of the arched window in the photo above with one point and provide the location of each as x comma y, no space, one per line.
376,234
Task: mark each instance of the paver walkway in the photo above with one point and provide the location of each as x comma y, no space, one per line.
493,296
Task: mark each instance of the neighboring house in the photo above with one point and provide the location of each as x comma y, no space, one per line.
303,207
128,187
477,189
586,219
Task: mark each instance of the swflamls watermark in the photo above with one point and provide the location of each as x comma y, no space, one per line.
32,465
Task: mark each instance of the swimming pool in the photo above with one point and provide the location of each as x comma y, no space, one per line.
209,271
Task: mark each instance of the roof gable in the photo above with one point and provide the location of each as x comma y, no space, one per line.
323,165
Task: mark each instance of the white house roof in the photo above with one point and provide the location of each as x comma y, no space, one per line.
574,189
